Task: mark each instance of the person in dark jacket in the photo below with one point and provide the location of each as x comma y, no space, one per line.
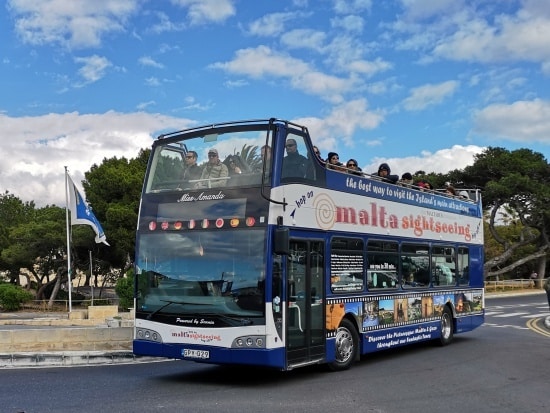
294,164
384,172
192,170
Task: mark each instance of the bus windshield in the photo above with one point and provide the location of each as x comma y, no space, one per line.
201,272
200,161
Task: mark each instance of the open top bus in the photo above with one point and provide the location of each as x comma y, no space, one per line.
289,263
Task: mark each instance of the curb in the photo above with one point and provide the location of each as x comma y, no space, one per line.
71,359
489,295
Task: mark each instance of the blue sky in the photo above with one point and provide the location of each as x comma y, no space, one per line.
420,84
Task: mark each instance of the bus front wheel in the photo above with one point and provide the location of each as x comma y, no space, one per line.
446,327
347,345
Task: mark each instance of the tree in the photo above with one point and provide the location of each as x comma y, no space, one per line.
13,212
514,182
113,189
38,246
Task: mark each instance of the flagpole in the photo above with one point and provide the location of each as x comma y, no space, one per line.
68,239
91,278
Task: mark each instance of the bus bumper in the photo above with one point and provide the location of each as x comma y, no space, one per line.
274,358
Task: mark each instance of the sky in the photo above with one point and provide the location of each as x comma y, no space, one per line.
419,84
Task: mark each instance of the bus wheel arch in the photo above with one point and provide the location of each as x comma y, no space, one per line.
446,327
346,346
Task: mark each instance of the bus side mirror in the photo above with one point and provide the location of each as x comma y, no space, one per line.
281,243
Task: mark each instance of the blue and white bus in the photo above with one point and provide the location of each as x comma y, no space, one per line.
289,263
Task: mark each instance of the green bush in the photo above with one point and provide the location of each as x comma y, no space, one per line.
125,290
12,296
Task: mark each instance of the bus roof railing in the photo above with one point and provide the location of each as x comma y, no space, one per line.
213,126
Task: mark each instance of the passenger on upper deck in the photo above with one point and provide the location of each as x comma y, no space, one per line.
384,172
406,179
232,165
294,164
192,170
464,195
333,162
317,153
213,170
332,159
353,167
450,190
425,186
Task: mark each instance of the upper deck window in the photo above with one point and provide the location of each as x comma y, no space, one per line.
218,160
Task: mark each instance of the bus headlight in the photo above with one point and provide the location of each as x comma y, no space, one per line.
249,342
150,335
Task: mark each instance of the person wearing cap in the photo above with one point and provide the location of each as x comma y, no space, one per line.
215,171
294,164
384,172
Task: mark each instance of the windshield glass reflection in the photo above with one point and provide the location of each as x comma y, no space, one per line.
219,272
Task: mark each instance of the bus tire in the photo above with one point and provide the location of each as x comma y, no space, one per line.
446,331
347,346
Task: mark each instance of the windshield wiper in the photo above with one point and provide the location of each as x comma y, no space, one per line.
168,302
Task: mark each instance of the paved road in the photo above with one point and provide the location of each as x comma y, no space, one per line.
488,370
504,310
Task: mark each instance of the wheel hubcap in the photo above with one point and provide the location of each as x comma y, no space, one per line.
344,345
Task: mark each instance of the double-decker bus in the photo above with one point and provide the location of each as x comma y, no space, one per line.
290,263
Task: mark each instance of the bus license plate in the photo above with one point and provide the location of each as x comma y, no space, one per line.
196,354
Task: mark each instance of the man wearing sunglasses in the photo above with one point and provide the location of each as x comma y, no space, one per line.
215,171
192,170
353,168
294,164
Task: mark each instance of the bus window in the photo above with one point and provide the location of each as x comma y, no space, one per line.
462,267
168,168
346,265
383,263
443,266
415,265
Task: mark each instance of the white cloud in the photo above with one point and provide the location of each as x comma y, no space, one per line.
340,125
352,6
34,157
370,68
304,39
93,69
441,161
148,61
153,81
263,62
203,11
350,23
521,121
70,24
271,24
427,95
419,10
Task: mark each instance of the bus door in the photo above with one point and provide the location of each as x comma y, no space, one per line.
305,319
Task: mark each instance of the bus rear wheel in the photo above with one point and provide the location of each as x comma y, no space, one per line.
347,345
446,332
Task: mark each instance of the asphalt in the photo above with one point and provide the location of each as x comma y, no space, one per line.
45,358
